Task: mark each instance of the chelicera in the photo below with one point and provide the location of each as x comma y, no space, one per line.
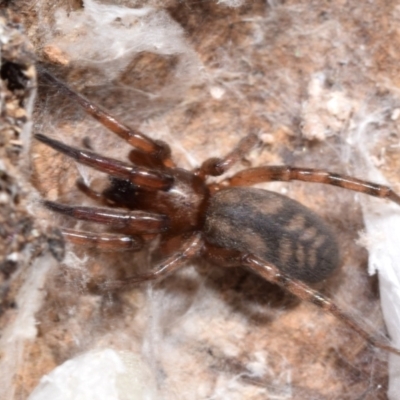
227,223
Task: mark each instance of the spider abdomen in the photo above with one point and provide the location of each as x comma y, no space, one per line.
274,228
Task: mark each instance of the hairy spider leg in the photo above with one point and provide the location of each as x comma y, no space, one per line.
103,241
269,272
191,248
218,166
158,149
251,176
136,222
140,176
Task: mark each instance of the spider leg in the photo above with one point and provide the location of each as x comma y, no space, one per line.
156,148
135,221
191,248
304,292
103,241
143,177
252,176
218,166
137,157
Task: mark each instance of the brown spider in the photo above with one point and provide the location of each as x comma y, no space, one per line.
227,223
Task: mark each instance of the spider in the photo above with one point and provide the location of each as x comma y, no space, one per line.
227,223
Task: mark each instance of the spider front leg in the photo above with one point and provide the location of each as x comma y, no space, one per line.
272,274
191,248
158,149
143,177
138,222
251,176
